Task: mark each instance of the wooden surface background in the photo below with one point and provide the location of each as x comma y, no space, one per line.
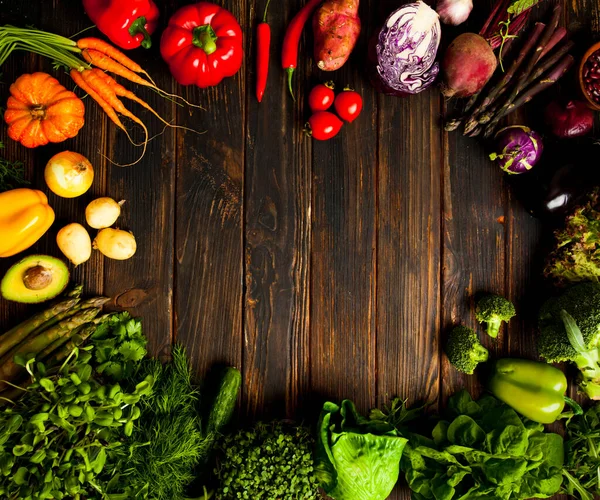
321,270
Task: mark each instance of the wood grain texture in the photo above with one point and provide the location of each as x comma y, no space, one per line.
344,257
277,237
209,215
323,270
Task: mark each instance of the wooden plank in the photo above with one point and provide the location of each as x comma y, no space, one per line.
474,236
143,284
277,235
344,258
209,215
408,248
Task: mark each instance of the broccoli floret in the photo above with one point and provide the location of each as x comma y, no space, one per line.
493,310
570,331
464,350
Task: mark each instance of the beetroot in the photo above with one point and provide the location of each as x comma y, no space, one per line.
468,64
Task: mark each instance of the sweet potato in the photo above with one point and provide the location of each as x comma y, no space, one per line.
336,27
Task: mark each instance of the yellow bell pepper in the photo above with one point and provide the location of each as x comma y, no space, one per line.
24,217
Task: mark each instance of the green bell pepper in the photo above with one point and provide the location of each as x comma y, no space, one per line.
534,389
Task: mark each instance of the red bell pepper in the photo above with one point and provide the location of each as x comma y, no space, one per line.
127,23
202,44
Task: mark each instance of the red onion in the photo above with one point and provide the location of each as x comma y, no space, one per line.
570,120
520,148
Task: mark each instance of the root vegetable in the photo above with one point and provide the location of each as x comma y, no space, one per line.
75,243
103,212
468,64
69,174
336,27
115,244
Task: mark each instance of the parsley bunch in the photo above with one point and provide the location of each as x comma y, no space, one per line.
119,345
267,461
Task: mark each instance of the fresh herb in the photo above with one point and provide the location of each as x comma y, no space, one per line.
59,436
483,449
12,174
520,6
160,458
357,458
265,462
582,470
119,346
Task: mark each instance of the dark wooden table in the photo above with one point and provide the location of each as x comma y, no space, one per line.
321,270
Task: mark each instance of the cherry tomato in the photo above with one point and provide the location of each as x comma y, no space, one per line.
348,105
321,97
323,125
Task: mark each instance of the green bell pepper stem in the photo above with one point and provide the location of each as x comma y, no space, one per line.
534,389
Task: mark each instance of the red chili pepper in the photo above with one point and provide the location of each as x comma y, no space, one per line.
263,45
202,44
127,23
289,59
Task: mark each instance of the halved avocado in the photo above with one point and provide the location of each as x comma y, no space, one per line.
34,279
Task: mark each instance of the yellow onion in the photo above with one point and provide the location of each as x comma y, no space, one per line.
69,174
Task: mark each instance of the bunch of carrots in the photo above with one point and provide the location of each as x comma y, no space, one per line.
89,60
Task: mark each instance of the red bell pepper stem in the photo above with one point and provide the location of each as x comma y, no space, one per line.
263,45
139,27
289,59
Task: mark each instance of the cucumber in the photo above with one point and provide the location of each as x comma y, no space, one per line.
224,403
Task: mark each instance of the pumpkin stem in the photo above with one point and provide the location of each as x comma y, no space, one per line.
38,112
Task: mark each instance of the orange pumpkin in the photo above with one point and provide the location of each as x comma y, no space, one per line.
40,110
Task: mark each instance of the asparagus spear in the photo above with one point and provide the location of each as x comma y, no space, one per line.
502,85
44,353
22,331
9,369
62,352
549,62
84,304
75,292
557,36
553,76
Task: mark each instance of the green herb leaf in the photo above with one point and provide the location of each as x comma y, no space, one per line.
520,6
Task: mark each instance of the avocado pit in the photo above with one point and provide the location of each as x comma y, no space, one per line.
37,278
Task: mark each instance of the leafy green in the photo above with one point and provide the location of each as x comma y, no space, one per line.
167,443
266,462
582,470
357,458
576,254
59,436
520,6
12,174
482,449
119,345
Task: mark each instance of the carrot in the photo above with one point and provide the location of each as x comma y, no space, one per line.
112,52
99,85
121,91
106,63
79,81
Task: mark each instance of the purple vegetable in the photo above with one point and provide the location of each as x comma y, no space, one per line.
402,52
520,148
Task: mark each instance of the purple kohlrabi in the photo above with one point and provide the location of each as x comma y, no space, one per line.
518,149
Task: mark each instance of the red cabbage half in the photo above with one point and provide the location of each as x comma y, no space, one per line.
403,51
